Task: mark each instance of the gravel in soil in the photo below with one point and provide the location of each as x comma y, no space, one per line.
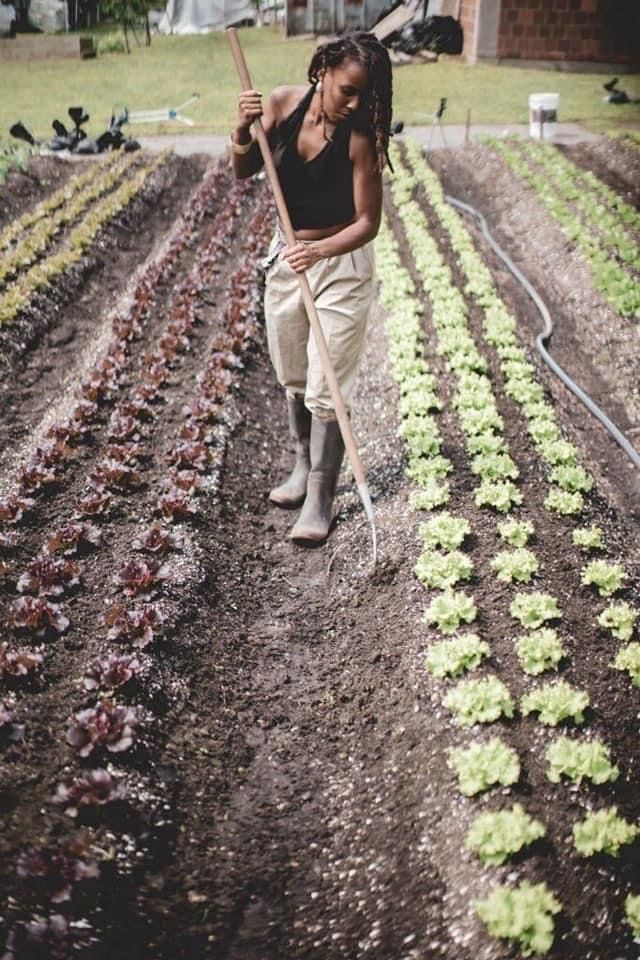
293,793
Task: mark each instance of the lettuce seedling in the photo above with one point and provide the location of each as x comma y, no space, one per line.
502,495
603,831
518,564
435,569
72,537
494,837
564,502
632,911
138,626
555,702
141,576
628,658
580,760
607,577
572,478
108,724
620,619
522,914
450,658
444,531
480,700
19,663
481,765
539,650
588,538
95,788
37,615
449,610
533,609
515,532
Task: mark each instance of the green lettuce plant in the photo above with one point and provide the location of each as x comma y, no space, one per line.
555,702
515,532
522,914
588,538
445,531
533,609
603,832
628,658
580,760
501,495
450,658
606,577
481,700
632,911
539,650
620,619
495,836
482,765
435,569
518,564
564,502
448,610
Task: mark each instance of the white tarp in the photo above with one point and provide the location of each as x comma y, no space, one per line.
203,16
50,16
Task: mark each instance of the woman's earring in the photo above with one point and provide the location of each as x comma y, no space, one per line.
318,86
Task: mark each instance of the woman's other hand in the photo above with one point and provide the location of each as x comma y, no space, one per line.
301,255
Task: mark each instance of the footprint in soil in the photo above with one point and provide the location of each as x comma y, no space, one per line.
62,335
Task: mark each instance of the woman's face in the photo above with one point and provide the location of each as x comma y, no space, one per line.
342,89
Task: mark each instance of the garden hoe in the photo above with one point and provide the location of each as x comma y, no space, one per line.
327,367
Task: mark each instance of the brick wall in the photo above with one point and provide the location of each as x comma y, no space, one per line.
570,30
468,21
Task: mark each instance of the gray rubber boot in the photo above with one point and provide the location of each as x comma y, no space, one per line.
326,451
292,492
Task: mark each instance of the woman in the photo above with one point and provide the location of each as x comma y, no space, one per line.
330,144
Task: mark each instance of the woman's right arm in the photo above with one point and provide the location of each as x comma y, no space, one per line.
249,161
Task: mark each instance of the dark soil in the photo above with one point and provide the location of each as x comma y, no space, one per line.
289,793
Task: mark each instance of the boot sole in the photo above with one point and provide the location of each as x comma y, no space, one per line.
287,504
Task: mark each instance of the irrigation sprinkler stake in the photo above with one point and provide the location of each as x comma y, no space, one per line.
307,297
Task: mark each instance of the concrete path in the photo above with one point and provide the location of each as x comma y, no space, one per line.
436,138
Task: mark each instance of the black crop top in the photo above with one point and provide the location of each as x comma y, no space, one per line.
319,192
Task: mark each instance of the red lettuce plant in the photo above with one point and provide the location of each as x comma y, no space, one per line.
137,626
19,663
190,454
108,724
95,788
8,540
8,729
49,576
36,615
157,539
126,452
195,431
56,870
111,671
140,576
84,412
176,504
12,508
93,504
72,538
114,475
45,938
187,480
203,409
123,427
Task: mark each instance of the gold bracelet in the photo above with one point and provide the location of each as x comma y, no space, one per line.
240,148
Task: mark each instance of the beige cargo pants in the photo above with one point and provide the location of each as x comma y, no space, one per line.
343,289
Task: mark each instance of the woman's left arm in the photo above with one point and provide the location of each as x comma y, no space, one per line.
367,200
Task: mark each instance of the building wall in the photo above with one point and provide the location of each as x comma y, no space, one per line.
592,30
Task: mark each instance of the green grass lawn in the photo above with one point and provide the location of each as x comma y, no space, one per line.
172,68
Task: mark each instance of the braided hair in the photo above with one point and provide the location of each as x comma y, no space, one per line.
364,48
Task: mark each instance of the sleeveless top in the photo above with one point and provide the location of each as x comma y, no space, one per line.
319,192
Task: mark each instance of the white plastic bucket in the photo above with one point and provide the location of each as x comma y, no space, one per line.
543,113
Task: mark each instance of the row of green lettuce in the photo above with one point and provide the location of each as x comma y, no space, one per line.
493,836
593,217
